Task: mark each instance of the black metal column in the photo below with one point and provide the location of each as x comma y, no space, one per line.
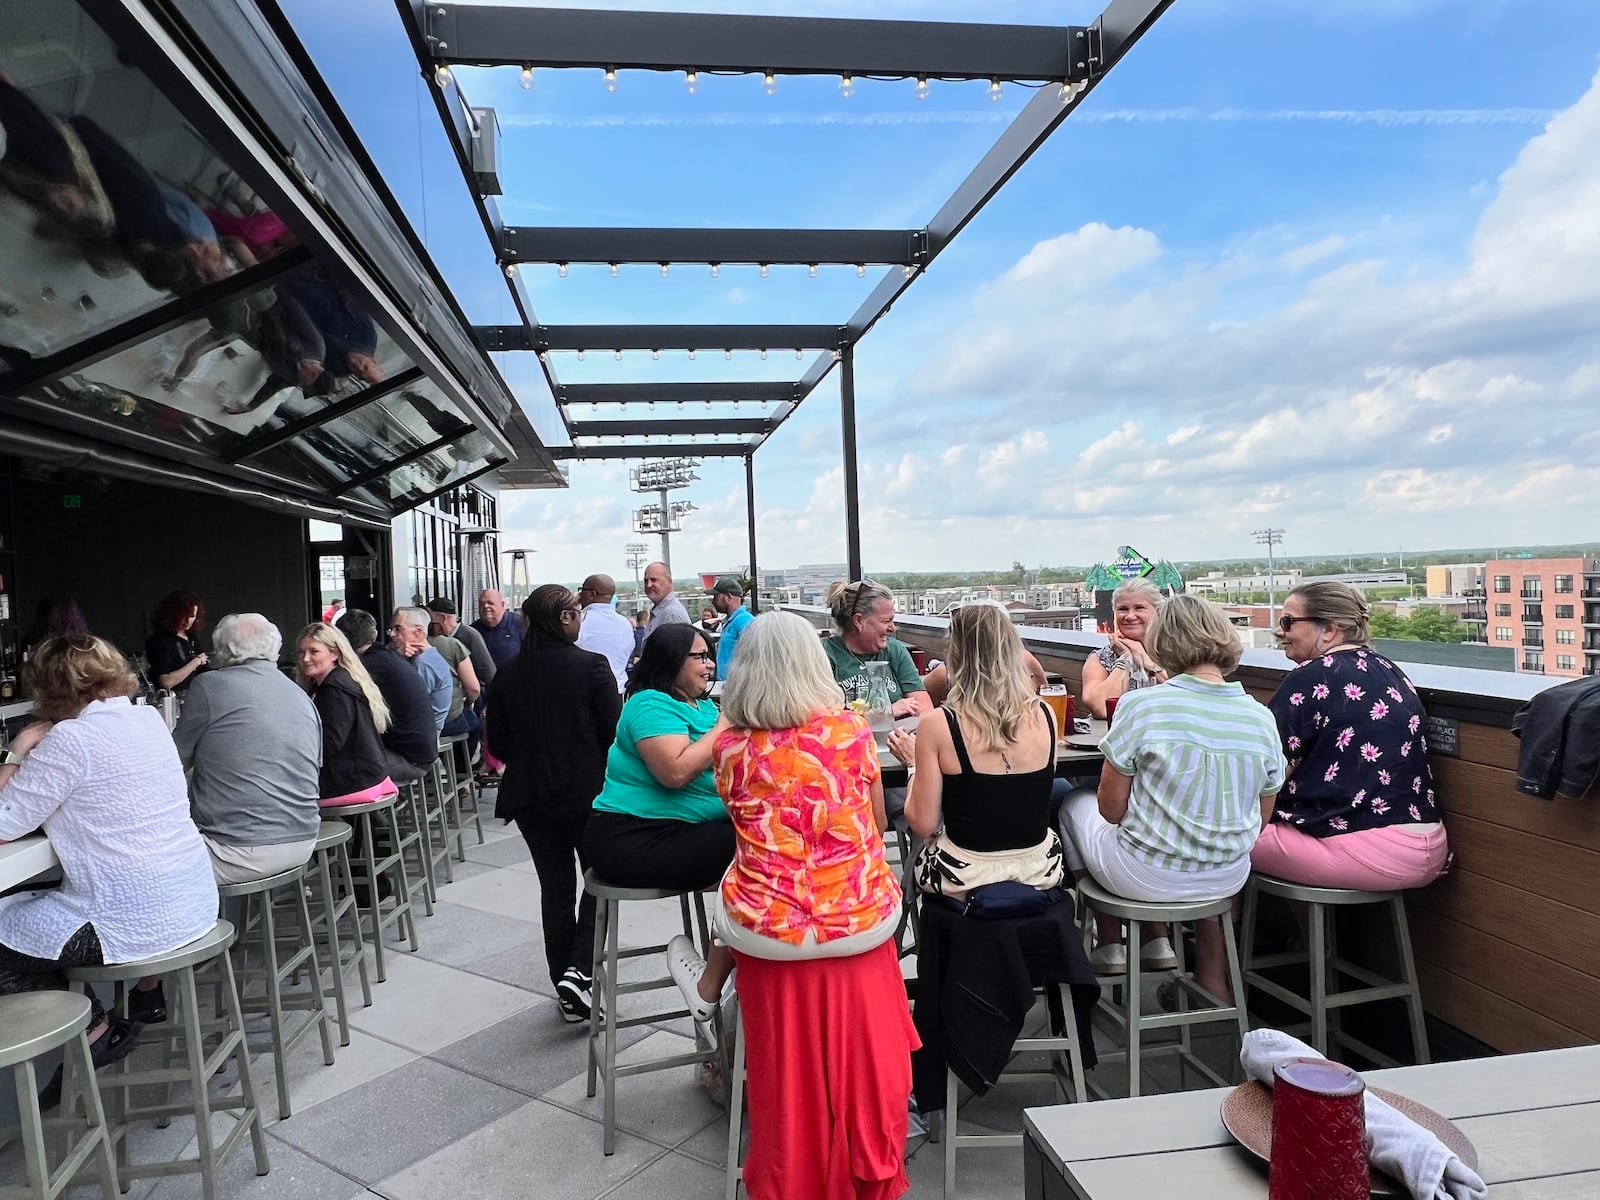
852,485
750,513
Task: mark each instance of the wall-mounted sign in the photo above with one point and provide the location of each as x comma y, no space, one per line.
1444,736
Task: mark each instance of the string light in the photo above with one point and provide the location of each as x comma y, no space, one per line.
691,354
651,406
769,83
655,356
680,405
1070,89
615,270
580,355
765,270
442,75
611,79
691,82
908,270
716,270
922,91
995,91
727,355
511,270
812,270
861,270
847,87
799,353
561,270
666,269
617,355
763,356
526,79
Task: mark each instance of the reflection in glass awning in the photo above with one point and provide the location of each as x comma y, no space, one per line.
151,297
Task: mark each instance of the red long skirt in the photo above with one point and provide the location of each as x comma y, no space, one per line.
828,1045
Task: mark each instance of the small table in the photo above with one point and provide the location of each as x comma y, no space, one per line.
25,859
1532,1117
1070,760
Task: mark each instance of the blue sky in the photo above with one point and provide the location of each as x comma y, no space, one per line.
1332,266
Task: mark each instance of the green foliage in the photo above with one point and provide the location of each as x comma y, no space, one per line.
1424,625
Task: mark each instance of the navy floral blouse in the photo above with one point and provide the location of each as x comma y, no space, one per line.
1351,724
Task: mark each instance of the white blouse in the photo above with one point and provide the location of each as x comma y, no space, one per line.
109,790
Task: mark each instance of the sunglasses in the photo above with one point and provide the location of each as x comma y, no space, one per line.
703,655
862,589
1288,623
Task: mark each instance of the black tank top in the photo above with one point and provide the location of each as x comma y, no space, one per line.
993,813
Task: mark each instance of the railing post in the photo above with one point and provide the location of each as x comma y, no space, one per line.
852,486
750,513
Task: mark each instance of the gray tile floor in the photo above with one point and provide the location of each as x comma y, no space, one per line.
463,1080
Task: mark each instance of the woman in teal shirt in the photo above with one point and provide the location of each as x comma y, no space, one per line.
658,822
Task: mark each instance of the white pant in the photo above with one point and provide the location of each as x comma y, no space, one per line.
1090,843
246,864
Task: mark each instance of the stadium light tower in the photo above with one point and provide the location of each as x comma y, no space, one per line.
1270,538
665,516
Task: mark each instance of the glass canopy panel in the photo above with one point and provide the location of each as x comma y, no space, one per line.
443,468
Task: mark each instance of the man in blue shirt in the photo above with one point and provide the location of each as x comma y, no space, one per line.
728,599
408,634
502,630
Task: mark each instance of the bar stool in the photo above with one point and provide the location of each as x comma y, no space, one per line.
391,865
604,1020
458,767
1130,1021
184,1035
332,902
33,1024
1325,966
445,811
414,835
262,934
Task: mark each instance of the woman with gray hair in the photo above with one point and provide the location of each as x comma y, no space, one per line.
809,910
1124,665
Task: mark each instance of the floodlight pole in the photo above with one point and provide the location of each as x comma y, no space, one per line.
1270,538
666,531
750,513
852,484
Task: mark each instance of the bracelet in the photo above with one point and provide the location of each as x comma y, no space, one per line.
10,758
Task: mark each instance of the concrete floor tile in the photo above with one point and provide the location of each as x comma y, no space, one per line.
665,1106
672,1177
537,1149
294,1176
520,967
502,852
531,1052
504,892
398,1119
311,1081
458,934
425,1005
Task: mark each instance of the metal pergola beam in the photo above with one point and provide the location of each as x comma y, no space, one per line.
653,428
502,35
680,450
533,244
700,338
676,393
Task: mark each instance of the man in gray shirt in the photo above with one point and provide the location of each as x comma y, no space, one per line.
666,608
252,742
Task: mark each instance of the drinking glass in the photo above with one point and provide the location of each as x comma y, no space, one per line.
1060,702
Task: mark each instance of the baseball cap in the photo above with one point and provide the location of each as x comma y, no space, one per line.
727,587
441,604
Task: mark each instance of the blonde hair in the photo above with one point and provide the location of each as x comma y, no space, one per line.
1189,632
1339,605
70,671
990,687
780,677
848,600
329,636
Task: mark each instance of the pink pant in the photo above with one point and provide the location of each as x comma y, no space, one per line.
1372,860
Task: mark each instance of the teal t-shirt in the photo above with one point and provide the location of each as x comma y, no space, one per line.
631,789
850,669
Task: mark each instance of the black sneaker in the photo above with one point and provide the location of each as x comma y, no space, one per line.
147,1008
574,996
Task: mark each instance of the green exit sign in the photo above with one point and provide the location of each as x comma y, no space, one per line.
72,502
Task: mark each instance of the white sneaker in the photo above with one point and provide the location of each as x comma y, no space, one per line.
686,967
1110,959
1157,955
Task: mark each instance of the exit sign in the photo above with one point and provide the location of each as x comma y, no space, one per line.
72,502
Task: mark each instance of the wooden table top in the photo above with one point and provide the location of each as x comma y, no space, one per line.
1066,756
1534,1118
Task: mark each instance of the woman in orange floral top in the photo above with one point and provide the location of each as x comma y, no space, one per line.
809,909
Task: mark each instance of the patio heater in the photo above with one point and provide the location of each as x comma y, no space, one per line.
665,516
519,570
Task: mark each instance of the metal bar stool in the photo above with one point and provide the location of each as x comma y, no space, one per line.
33,1024
333,901
391,865
441,803
604,1020
413,836
458,764
1326,998
1132,1023
185,1036
262,934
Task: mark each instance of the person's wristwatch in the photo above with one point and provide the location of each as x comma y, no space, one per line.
10,758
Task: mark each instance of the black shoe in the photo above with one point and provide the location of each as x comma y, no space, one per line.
574,996
147,1007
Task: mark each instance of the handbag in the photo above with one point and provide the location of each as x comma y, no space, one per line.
1006,901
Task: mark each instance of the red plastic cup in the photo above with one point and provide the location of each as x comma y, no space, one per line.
1319,1133
1111,709
919,659
1072,707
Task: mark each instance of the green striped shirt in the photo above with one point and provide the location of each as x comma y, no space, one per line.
1201,755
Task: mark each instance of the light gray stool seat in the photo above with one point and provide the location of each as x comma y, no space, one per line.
33,1024
1132,1023
1326,968
390,865
276,970
197,1068
604,1019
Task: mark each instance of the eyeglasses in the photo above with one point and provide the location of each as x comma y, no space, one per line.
1288,623
572,612
703,655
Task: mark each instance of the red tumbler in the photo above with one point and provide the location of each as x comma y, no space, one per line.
1319,1133
919,659
1111,709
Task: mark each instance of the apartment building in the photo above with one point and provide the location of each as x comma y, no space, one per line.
1548,610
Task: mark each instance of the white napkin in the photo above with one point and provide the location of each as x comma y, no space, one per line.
1395,1143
